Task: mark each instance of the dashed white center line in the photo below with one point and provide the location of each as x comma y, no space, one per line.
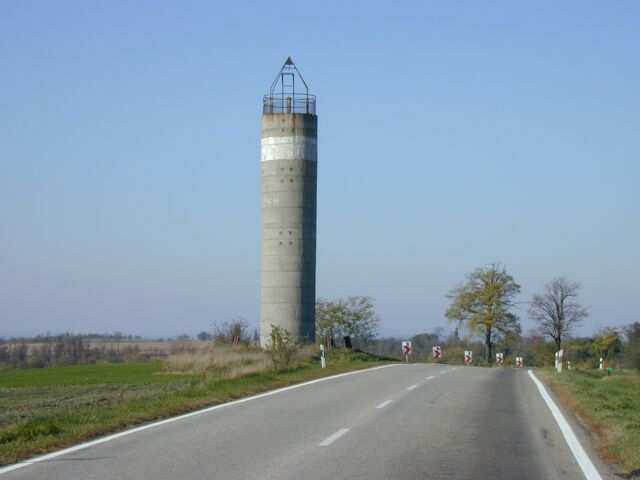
332,438
442,373
429,378
412,387
384,404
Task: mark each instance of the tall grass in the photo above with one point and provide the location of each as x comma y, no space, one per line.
227,361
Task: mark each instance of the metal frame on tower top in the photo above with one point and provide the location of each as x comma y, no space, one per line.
285,99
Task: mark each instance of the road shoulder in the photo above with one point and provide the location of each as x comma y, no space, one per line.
584,434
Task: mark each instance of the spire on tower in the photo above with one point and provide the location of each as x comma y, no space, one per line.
289,93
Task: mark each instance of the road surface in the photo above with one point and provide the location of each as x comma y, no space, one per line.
401,422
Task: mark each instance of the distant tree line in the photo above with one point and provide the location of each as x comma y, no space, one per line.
67,349
483,307
620,348
481,310
104,337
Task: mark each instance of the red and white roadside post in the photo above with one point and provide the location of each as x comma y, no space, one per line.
468,357
436,352
499,358
323,362
559,355
406,350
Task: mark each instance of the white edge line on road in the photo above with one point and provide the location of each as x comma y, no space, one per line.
429,378
589,470
115,436
332,438
384,404
412,387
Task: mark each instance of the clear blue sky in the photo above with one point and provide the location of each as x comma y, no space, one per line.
451,135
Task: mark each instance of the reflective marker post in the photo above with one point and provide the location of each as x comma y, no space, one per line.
468,357
323,363
436,352
406,350
559,355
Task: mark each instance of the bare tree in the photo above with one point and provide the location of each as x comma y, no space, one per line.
232,332
556,311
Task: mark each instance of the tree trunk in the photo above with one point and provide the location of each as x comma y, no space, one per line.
489,349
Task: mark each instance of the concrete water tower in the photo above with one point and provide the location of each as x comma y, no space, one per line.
289,192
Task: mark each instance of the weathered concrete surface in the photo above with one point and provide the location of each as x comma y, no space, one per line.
289,192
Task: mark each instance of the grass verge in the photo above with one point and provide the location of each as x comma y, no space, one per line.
42,410
609,406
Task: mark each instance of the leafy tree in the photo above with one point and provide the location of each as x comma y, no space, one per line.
556,311
484,302
361,321
329,315
353,316
606,342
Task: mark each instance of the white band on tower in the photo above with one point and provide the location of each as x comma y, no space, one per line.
289,148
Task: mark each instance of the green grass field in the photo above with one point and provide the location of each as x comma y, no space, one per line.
50,408
97,374
609,405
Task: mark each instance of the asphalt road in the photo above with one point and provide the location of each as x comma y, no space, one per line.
401,422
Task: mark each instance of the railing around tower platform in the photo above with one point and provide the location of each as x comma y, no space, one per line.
297,103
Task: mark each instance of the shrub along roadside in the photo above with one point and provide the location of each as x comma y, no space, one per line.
609,406
56,421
